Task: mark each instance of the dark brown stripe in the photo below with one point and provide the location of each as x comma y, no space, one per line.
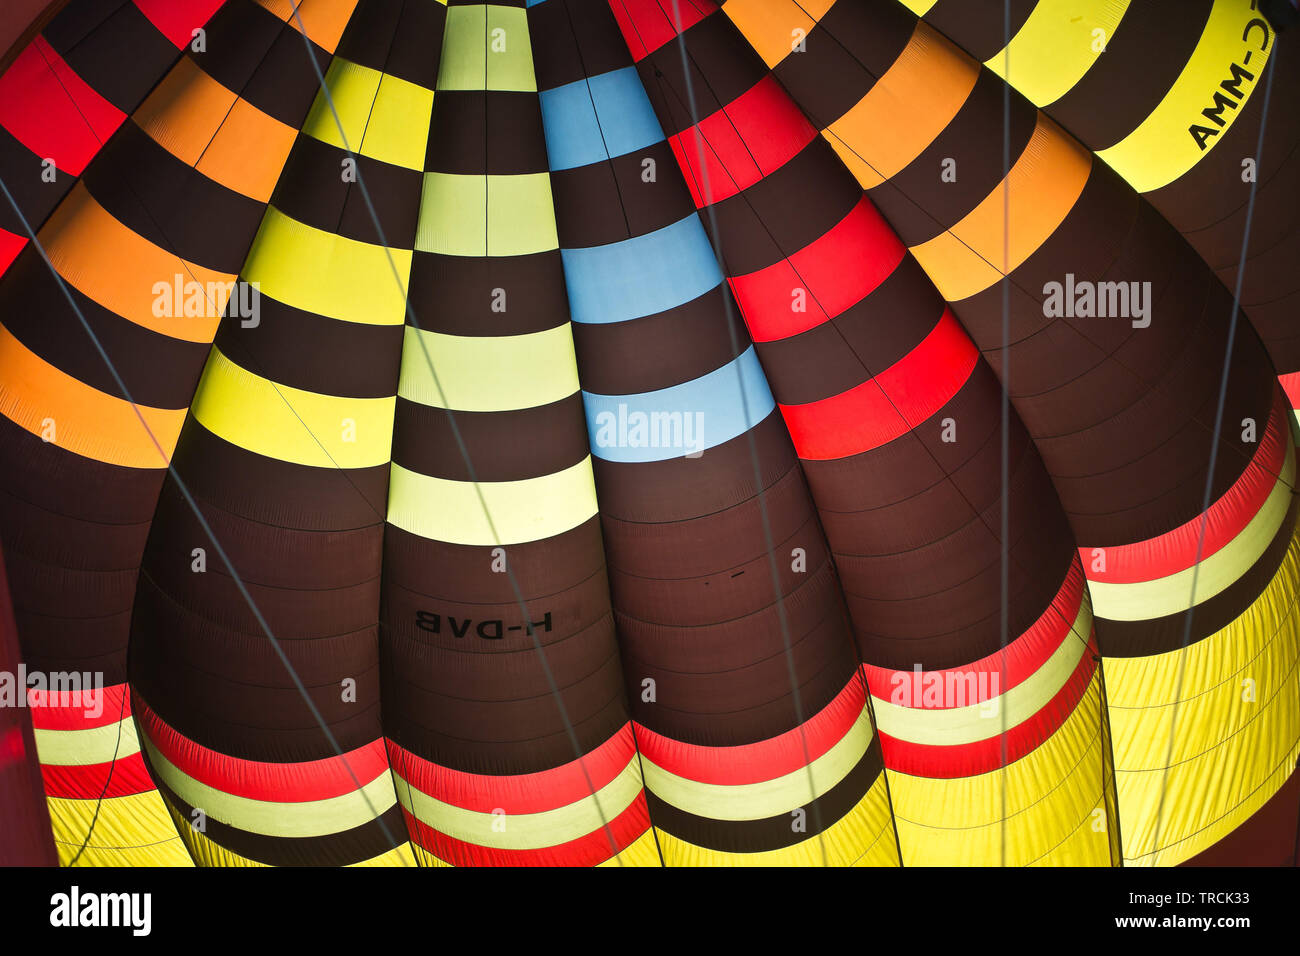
610,201
503,446
572,39
312,190
173,205
658,351
159,371
979,26
455,294
20,171
121,56
486,132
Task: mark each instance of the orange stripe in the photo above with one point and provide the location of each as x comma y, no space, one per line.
223,136
1038,194
914,100
322,20
45,400
106,261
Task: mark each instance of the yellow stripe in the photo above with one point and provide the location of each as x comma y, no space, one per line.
466,215
531,509
525,831
1049,795
953,726
382,116
862,837
919,7
488,374
768,798
300,818
486,47
643,851
92,745
1144,600
1230,752
289,424
328,274
133,830
1057,45
1161,149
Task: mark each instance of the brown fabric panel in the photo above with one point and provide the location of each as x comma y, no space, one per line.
658,351
973,142
785,211
20,171
463,572
174,206
980,26
573,38
773,833
1268,838
275,492
486,132
363,842
681,488
1164,634
298,349
850,48
862,341
503,446
159,371
736,688
121,56
1143,57
608,202
454,294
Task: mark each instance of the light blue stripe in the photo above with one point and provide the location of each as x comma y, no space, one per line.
579,134
683,420
641,276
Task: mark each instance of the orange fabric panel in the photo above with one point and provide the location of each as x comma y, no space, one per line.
322,20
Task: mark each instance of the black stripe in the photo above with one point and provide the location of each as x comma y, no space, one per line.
121,56
492,132
455,294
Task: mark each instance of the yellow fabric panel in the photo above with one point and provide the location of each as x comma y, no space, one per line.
862,837
398,131
919,7
352,89
1144,600
525,831
1056,46
88,746
132,830
1161,149
328,274
521,216
531,509
768,798
488,374
486,47
36,396
300,818
289,424
453,214
1014,220
1229,754
951,726
118,268
643,851
1049,794
915,99
769,25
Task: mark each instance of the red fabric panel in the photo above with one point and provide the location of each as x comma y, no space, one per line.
176,19
124,777
649,24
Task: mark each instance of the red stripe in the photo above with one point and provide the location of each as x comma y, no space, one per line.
54,112
1291,383
10,246
829,275
177,19
1024,656
587,850
968,760
755,135
648,24
1176,550
765,759
889,405
78,710
258,780
86,781
518,793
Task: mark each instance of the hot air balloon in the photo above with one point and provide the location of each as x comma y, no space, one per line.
647,433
